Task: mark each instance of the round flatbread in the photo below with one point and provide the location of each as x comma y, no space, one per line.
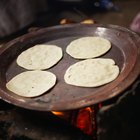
31,83
40,57
91,72
88,47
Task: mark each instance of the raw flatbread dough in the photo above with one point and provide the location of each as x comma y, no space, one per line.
40,57
88,47
31,83
91,72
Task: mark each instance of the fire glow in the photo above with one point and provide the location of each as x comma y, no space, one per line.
84,119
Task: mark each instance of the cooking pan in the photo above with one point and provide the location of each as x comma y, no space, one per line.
125,51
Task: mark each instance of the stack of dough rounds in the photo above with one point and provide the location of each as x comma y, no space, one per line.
88,47
40,57
31,83
91,72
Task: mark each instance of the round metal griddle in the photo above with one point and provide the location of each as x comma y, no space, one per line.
125,51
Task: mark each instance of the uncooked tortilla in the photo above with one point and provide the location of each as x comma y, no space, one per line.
40,57
92,72
31,83
88,47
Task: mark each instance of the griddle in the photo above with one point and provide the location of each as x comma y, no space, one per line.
125,52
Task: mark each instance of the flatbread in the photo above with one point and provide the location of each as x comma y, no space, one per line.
88,47
31,83
91,72
40,57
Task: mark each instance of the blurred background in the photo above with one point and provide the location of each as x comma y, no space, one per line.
16,17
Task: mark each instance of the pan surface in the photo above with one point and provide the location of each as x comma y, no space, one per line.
125,51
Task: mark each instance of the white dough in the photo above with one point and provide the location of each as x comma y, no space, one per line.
40,57
31,83
88,47
91,72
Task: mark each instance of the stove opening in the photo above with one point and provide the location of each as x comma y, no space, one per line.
84,119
